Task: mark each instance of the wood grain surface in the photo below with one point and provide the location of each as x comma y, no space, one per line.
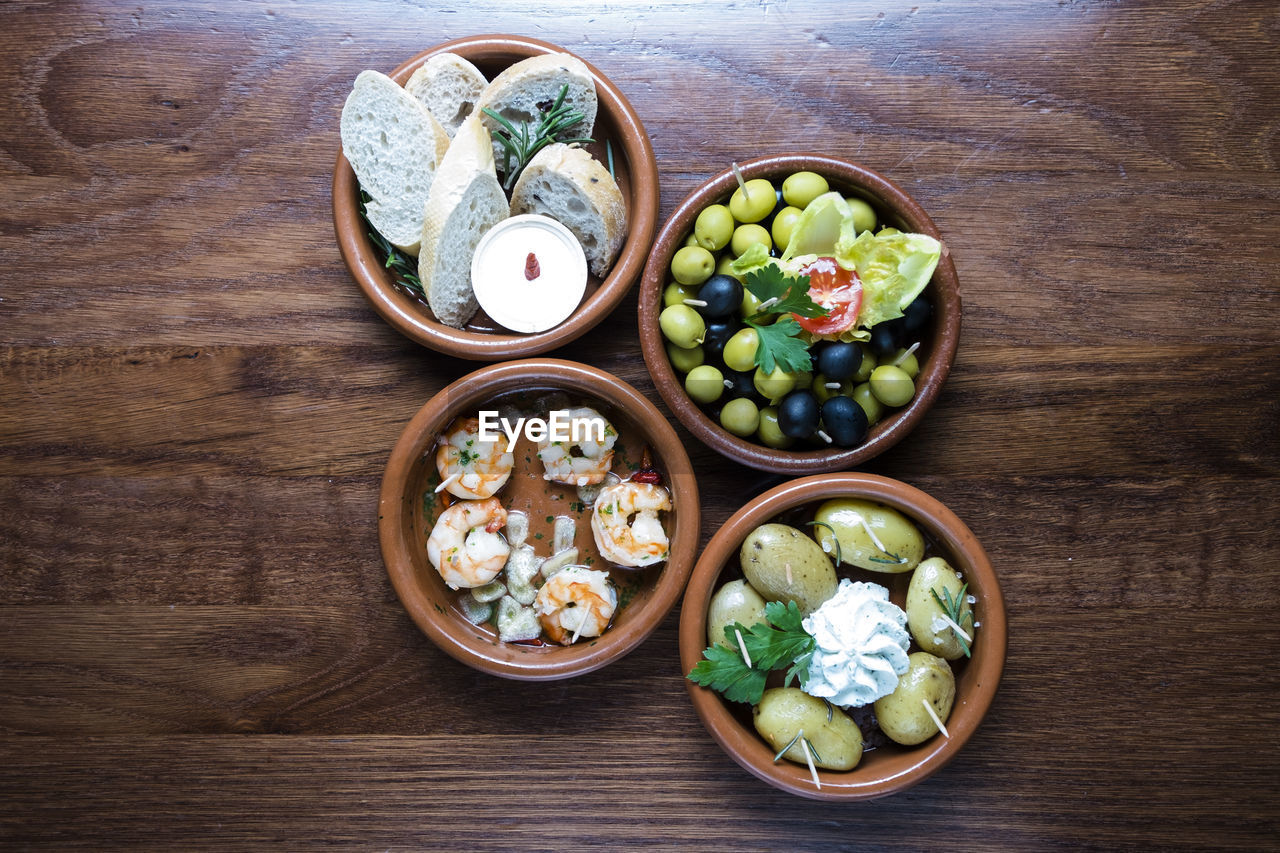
199,646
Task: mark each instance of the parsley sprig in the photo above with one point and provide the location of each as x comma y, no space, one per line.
780,341
520,142
777,643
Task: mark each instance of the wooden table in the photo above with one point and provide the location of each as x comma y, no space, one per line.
199,645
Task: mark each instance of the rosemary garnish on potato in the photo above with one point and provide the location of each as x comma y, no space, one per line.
951,606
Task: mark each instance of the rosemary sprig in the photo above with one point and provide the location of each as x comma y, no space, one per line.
404,269
952,607
520,143
834,538
795,740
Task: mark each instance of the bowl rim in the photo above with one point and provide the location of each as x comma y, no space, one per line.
745,746
474,388
892,429
402,313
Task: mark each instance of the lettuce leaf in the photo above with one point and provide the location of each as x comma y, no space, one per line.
825,222
752,259
894,267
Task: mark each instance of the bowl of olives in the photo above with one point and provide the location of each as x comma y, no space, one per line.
799,313
767,635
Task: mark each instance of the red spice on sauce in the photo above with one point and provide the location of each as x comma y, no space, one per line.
531,267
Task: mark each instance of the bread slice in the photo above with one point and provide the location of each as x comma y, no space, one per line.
448,87
394,145
518,92
466,200
569,185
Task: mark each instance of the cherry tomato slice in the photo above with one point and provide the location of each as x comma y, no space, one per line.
836,288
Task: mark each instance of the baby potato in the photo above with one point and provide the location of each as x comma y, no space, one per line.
784,712
924,614
736,601
903,545
901,714
785,565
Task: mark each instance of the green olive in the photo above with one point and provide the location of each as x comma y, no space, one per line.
907,361
803,187
704,384
691,240
676,294
868,364
750,303
740,350
756,203
692,265
714,227
683,359
874,408
724,266
773,386
783,224
740,417
681,325
864,217
769,433
892,386
746,236
823,393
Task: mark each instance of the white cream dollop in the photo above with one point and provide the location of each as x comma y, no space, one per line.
862,644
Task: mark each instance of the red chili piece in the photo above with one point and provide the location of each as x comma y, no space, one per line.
534,642
648,475
532,269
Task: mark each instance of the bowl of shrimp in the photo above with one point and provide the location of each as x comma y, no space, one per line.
538,519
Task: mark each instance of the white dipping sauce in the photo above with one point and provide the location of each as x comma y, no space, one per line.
501,271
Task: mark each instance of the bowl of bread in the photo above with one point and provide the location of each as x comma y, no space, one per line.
495,196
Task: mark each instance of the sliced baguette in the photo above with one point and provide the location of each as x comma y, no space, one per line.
448,87
394,146
569,185
516,93
466,200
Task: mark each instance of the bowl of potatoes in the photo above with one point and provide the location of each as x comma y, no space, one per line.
843,636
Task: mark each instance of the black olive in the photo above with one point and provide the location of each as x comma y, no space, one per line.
839,360
798,414
916,314
886,337
723,295
844,421
717,335
742,383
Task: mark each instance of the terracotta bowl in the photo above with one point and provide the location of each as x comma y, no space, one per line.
408,507
889,768
482,339
938,346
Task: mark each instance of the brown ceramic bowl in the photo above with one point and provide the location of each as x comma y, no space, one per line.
889,768
407,510
482,339
938,346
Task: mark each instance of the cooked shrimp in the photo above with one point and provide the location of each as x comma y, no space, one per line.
465,546
596,437
576,602
469,467
627,542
